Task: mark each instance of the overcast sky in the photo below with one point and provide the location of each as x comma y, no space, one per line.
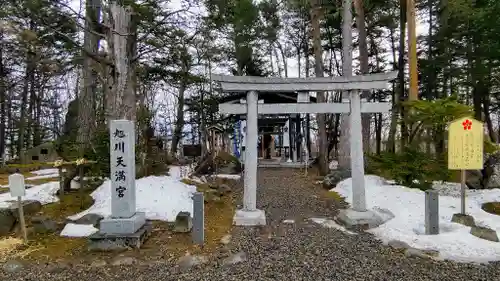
169,100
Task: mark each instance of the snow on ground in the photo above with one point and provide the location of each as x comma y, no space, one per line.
46,172
161,198
227,176
44,176
331,224
454,241
45,193
176,171
78,230
333,165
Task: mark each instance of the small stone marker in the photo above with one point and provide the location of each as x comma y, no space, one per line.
183,222
431,212
18,189
484,233
198,218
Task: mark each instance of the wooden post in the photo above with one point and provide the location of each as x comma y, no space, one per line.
465,150
81,174
412,49
21,218
61,180
462,191
17,189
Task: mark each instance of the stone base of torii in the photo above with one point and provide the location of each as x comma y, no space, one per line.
249,215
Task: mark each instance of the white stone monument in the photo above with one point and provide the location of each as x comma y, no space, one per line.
124,218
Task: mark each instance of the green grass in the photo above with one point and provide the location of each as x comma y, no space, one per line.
492,208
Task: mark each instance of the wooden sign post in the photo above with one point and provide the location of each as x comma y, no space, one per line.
17,189
465,149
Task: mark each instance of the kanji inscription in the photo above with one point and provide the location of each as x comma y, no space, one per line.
465,144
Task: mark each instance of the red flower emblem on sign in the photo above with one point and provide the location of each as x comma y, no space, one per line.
467,124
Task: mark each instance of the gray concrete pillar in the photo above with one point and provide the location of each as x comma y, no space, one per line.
357,158
250,187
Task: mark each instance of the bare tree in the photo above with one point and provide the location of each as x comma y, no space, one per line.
344,146
363,60
87,95
316,14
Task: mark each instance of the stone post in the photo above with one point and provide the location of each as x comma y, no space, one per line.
357,159
431,212
250,189
124,218
302,97
250,215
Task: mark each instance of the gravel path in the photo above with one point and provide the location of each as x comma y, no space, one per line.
285,251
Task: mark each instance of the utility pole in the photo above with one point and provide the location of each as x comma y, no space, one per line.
412,49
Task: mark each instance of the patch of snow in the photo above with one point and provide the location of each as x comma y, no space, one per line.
332,224
196,179
289,221
333,165
78,230
231,177
45,193
176,171
47,171
454,241
161,198
47,176
450,188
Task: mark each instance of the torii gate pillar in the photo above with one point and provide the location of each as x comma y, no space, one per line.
250,215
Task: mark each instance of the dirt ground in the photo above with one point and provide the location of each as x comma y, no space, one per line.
163,243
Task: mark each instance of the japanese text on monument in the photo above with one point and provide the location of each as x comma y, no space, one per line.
120,174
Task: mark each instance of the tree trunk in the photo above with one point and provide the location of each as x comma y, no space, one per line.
12,144
88,91
363,60
179,121
391,141
37,130
122,41
283,57
31,108
486,111
344,152
378,94
3,93
319,70
30,70
401,69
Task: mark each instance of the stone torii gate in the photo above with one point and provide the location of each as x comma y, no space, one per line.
249,215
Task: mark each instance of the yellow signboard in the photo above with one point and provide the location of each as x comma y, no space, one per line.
465,144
